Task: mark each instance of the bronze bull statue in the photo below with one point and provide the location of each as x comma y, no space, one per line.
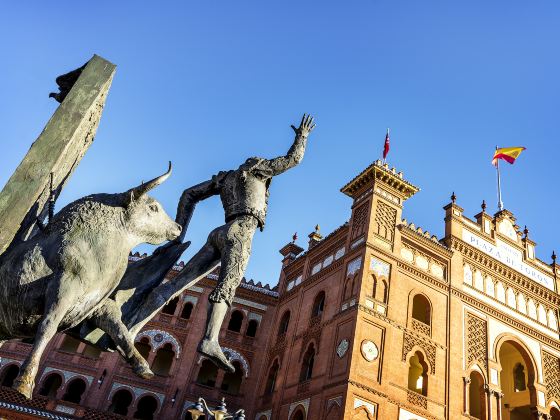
64,274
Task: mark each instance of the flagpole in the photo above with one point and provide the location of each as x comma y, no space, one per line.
500,203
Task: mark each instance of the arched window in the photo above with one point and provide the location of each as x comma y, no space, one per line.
207,373
170,306
421,310
284,323
235,321
9,374
519,382
120,402
187,310
70,344
348,287
335,413
146,408
418,374
252,328
271,379
163,360
143,347
232,381
318,305
298,415
307,365
51,385
379,289
75,390
517,374
477,405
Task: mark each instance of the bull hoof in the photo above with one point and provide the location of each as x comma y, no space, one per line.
24,387
213,351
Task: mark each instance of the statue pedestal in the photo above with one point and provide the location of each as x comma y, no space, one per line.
58,150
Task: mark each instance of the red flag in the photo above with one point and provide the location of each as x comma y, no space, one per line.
386,146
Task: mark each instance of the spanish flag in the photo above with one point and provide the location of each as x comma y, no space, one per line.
509,154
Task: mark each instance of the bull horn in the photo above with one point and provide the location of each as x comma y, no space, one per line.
144,187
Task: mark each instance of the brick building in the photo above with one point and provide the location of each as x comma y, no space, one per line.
378,320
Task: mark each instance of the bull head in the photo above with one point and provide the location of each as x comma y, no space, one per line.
137,192
145,217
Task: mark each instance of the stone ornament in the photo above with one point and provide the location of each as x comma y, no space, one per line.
342,348
158,338
369,350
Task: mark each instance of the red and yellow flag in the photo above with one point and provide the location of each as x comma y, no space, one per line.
509,154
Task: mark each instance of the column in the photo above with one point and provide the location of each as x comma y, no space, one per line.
489,393
151,355
220,378
466,396
499,396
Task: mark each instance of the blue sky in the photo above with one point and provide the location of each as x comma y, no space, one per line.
208,84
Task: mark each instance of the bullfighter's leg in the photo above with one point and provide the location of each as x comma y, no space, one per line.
108,319
235,257
56,308
198,266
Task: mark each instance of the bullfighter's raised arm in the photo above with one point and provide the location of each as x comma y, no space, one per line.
295,154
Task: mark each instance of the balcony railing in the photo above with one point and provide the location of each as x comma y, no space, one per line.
182,323
421,328
416,399
248,341
303,386
165,318
281,339
315,320
233,336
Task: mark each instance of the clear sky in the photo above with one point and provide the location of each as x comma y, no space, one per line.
208,84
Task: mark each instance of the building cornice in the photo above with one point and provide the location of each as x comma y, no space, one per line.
441,284
378,171
31,411
508,275
431,243
312,279
320,247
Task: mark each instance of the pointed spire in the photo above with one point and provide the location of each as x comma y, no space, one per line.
453,197
291,250
553,258
315,237
483,206
526,232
